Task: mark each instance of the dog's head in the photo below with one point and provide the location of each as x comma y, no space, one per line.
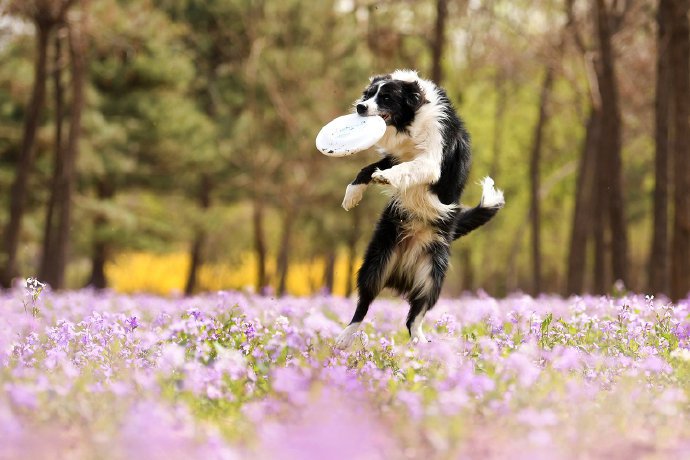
395,100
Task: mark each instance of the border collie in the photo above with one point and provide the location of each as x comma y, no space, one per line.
426,160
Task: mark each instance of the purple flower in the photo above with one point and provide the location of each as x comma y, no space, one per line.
249,330
131,323
22,396
291,382
322,429
413,403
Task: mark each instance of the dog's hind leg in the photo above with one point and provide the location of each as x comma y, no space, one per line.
429,277
372,276
418,308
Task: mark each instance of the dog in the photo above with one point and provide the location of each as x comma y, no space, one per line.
425,164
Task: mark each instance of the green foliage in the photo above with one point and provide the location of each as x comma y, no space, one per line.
236,90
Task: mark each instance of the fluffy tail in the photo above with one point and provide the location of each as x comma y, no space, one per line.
471,218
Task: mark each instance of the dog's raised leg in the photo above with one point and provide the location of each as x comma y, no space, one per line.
355,190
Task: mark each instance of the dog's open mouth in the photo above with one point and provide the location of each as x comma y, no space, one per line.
386,117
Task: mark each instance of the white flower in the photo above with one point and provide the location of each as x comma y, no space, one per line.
681,353
33,285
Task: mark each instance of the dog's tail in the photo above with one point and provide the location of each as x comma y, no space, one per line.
469,219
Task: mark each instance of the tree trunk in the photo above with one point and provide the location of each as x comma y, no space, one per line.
77,52
47,271
489,265
259,245
600,207
601,273
513,275
100,249
329,272
499,115
534,175
680,148
658,268
611,145
284,253
18,191
467,269
196,253
584,206
195,262
439,41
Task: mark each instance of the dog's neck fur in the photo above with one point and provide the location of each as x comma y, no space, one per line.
421,141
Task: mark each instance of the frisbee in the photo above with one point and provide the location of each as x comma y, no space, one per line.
350,134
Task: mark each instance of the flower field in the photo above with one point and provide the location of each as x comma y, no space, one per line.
227,375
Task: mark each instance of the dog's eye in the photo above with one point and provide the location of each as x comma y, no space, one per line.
385,97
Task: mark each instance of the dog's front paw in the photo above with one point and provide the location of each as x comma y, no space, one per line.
380,177
353,195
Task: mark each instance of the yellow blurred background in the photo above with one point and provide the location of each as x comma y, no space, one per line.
165,274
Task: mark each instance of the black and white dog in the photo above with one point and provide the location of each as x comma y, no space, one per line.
425,166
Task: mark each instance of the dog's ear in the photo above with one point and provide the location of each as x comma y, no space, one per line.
413,95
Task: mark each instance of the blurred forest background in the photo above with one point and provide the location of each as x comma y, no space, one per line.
168,145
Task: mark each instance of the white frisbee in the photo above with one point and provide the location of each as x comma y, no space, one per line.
350,134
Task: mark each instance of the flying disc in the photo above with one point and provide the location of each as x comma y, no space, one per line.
350,134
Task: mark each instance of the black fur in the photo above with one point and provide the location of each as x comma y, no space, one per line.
364,176
401,232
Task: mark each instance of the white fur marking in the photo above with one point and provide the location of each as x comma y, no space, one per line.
422,277
346,337
423,204
405,75
372,106
353,195
491,197
416,330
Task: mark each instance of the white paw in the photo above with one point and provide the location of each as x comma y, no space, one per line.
353,195
491,197
346,337
399,178
416,333
419,337
380,177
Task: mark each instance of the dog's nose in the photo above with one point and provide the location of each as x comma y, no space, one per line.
361,109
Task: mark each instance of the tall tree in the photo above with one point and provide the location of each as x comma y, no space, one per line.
260,250
608,223
44,15
77,53
47,266
145,136
283,260
680,148
535,162
439,41
658,267
584,206
199,239
611,181
216,37
100,246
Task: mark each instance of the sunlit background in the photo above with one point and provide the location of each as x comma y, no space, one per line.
168,145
